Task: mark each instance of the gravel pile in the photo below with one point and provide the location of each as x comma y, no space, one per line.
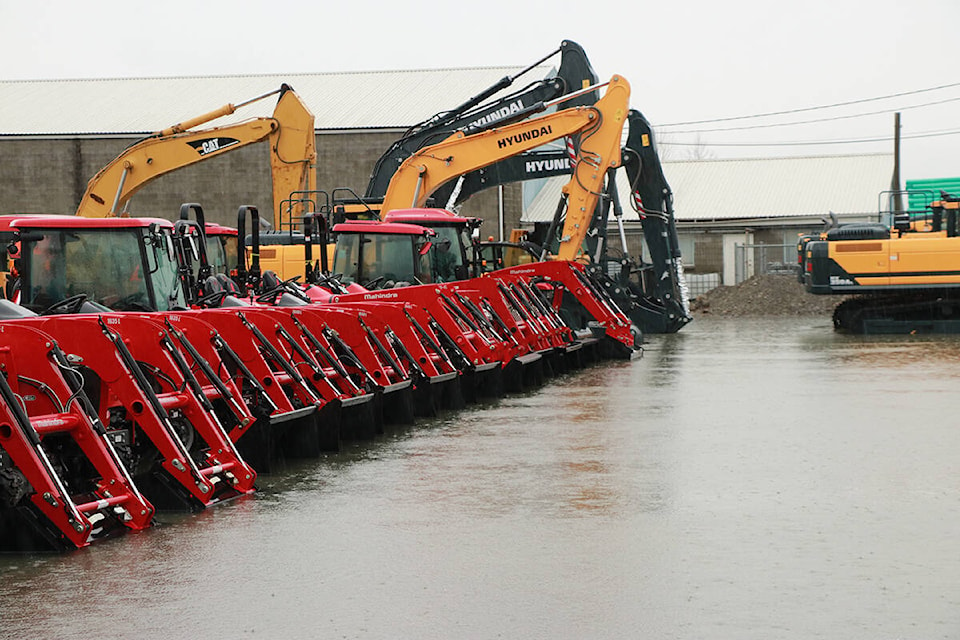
770,295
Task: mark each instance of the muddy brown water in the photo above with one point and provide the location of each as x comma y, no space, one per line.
745,479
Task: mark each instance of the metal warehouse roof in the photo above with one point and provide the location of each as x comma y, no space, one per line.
375,99
756,188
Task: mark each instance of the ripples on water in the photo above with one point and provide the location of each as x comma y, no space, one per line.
745,479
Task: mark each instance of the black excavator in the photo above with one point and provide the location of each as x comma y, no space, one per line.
657,289
573,74
652,293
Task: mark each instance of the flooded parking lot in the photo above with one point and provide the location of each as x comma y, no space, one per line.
747,478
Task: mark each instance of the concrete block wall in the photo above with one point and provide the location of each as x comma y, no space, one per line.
50,175
39,176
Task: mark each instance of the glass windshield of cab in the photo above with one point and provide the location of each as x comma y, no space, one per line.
105,265
220,254
362,258
445,255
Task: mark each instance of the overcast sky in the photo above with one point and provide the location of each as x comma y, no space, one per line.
686,61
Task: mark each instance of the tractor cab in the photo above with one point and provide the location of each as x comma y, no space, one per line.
221,246
123,264
452,256
383,255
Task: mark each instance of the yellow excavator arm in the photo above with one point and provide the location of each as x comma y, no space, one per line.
292,155
600,127
293,160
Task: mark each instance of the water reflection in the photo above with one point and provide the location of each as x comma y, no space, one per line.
740,476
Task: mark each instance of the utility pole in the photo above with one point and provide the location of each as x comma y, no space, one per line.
895,182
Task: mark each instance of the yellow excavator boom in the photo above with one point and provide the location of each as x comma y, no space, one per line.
600,127
290,133
293,160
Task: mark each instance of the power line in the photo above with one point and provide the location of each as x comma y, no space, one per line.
804,109
830,119
931,134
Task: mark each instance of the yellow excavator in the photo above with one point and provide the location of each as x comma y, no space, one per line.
471,159
290,133
293,157
411,243
600,128
901,279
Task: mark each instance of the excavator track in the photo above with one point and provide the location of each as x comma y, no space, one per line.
930,311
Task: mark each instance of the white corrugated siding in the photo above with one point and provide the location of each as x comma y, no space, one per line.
757,188
143,105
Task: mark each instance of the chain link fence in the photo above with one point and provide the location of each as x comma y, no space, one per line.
765,259
700,283
707,266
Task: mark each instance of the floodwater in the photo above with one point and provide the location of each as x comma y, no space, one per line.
745,479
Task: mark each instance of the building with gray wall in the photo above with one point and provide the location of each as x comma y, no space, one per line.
56,135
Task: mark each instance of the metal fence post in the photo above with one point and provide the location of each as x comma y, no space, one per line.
740,264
